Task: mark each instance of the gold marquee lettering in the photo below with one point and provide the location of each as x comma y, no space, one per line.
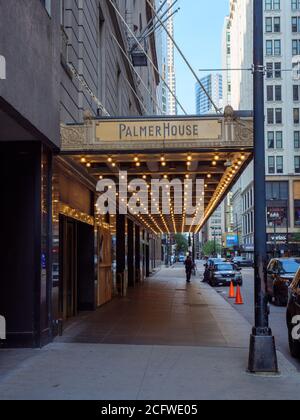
158,130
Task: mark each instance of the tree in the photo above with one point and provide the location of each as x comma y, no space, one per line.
211,248
182,245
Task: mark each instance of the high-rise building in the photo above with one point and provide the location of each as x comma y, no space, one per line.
166,59
282,111
213,85
171,73
226,60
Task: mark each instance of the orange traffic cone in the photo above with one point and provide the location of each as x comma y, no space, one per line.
231,291
239,298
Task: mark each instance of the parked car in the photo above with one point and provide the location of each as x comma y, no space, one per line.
181,258
281,273
211,262
293,310
242,262
224,273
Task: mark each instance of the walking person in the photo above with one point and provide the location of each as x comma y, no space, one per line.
189,265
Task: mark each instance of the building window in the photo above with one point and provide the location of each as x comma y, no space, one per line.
270,116
278,93
279,165
296,115
278,116
277,190
295,5
296,24
273,70
277,47
269,24
297,139
273,24
296,95
272,5
271,165
279,140
269,48
274,93
297,164
271,140
296,47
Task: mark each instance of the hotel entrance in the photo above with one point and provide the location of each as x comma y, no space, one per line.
77,290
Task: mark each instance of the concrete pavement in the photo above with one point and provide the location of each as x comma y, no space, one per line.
277,315
166,340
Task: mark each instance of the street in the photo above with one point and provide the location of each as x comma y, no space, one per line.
277,315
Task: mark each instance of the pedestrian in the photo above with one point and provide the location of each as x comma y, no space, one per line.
189,265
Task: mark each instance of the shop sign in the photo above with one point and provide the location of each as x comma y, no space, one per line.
2,68
279,238
232,241
158,130
248,248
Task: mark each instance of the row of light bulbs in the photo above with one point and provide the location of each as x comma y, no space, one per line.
226,180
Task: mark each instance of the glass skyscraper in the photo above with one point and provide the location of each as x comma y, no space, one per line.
214,87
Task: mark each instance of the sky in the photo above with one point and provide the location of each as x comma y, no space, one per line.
198,31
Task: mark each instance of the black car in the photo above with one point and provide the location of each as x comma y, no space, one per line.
225,273
242,262
293,311
281,273
209,267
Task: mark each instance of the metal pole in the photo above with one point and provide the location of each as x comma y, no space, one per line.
215,247
238,232
262,356
287,227
275,241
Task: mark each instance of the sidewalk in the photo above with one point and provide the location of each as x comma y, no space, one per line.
166,340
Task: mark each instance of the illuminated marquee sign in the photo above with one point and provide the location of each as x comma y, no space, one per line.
158,130
2,68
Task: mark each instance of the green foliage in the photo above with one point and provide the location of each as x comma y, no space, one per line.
210,248
181,243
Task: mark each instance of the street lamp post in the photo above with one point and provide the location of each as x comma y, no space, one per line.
238,231
287,227
215,244
262,356
275,239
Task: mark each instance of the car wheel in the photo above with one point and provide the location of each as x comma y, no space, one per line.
294,345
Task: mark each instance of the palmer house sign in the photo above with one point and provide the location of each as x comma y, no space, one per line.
158,130
231,130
